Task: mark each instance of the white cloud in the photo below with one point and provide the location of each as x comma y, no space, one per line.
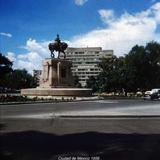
39,47
155,9
22,56
123,32
29,66
11,56
6,34
80,2
36,52
106,15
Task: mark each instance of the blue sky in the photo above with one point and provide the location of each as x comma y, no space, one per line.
28,26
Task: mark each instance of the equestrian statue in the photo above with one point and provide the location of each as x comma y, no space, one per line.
57,46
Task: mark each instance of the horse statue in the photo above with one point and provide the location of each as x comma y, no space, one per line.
57,46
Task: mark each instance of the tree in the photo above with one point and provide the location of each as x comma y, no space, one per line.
135,69
76,82
153,56
92,83
138,70
5,65
111,79
142,65
19,79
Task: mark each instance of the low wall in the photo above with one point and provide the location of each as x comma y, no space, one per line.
80,92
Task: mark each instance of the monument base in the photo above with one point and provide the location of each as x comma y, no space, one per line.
75,92
57,80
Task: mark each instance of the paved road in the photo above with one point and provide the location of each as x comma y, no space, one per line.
99,130
107,116
98,105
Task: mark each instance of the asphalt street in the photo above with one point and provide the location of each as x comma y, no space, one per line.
85,130
107,116
37,108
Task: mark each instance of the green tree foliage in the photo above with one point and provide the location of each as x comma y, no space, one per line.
19,79
135,68
138,70
92,83
76,82
112,76
153,70
5,65
143,67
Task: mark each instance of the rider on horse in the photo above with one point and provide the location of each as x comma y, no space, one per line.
57,46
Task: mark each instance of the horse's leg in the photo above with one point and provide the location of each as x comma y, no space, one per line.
64,54
52,54
58,54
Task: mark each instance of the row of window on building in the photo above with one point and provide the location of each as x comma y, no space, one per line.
85,61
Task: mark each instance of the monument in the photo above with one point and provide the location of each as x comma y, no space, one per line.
56,78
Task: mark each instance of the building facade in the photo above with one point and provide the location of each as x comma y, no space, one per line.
85,61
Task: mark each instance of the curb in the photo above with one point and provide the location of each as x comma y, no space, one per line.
33,102
13,103
109,116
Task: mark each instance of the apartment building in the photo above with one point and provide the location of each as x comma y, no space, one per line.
85,61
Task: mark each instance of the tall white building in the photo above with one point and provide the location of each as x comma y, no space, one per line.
85,61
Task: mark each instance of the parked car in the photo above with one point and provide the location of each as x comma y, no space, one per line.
153,94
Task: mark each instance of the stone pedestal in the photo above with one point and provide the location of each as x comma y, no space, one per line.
56,74
57,80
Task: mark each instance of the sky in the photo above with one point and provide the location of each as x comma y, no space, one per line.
27,27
